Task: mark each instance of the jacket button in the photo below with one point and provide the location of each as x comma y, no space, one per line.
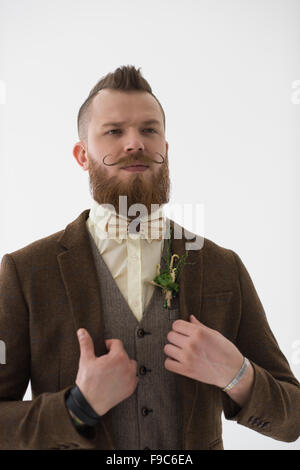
143,370
266,424
74,444
256,421
250,420
146,448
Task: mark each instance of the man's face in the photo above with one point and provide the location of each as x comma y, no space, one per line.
133,146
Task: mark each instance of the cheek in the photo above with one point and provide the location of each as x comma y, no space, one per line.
99,147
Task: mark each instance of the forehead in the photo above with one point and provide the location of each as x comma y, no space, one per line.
124,105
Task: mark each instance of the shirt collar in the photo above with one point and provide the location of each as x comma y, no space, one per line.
100,216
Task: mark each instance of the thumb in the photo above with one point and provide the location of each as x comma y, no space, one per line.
109,343
86,344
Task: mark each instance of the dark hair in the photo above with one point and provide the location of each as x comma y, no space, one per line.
123,78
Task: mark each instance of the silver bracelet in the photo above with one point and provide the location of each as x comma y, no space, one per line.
238,377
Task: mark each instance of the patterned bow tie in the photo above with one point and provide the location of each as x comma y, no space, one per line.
151,229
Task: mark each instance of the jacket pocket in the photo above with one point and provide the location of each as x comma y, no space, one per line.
217,297
217,312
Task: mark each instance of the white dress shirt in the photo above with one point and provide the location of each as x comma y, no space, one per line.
132,260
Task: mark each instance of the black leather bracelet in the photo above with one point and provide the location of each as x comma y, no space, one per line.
77,403
83,403
72,405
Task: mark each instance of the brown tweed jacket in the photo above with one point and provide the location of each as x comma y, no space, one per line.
49,289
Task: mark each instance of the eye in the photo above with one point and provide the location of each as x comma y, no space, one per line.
113,130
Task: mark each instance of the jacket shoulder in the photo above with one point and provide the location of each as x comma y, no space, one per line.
219,259
212,248
41,251
38,249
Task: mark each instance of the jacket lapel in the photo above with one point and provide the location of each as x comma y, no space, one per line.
81,283
80,280
190,292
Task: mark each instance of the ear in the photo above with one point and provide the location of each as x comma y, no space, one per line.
80,155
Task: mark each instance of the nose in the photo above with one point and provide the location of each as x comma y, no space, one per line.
134,144
134,148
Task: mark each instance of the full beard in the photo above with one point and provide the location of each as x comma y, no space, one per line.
139,190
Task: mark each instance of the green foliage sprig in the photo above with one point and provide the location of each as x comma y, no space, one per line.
167,279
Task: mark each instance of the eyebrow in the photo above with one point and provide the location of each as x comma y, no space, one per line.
149,121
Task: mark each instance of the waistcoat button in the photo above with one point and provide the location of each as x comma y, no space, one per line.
140,332
146,448
143,370
145,411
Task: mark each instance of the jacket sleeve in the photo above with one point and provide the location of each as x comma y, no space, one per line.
273,408
44,422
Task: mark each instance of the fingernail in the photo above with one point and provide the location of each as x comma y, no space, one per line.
80,333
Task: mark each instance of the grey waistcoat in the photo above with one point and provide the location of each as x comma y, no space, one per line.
152,417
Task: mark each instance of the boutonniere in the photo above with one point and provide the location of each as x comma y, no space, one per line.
167,279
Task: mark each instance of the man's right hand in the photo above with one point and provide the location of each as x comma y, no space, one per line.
107,380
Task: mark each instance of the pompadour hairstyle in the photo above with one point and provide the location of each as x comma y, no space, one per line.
125,78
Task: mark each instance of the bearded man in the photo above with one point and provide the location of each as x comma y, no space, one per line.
122,353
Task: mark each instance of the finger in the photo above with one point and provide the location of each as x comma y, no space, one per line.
173,352
183,327
177,339
134,365
114,344
195,320
176,367
86,344
173,366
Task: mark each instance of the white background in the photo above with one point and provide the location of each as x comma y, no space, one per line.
224,72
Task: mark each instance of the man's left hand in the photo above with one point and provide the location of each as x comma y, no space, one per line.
201,353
